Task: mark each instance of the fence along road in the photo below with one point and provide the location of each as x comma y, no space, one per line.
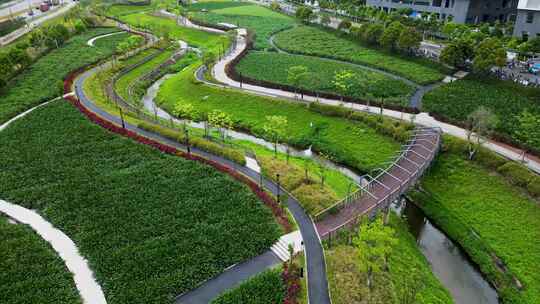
413,159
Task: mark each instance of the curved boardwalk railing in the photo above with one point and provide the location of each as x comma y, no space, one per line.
392,182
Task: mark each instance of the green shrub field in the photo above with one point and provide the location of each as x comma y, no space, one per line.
348,142
43,79
263,21
158,25
408,271
266,287
507,100
314,41
461,197
273,67
30,270
151,225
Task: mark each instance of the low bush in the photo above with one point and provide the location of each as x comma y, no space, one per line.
314,197
534,186
235,155
515,174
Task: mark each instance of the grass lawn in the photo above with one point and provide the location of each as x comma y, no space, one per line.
121,10
30,270
315,41
261,20
462,196
158,25
506,99
348,142
43,79
408,270
273,67
124,82
151,225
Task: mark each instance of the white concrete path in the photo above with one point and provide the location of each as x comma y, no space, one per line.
424,118
91,41
89,289
281,247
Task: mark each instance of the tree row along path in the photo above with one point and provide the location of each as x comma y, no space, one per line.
89,290
424,119
315,264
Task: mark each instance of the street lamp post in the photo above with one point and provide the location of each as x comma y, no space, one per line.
186,131
278,189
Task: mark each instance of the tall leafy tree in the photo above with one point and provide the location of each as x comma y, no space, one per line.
489,53
275,129
391,35
296,75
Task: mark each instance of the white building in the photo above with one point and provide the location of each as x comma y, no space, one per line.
528,19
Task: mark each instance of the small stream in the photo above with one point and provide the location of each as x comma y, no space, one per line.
151,107
448,262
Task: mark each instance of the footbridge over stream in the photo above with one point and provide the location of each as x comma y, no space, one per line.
399,175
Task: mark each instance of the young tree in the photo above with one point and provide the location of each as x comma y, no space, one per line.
391,35
375,243
489,53
409,39
185,111
457,53
344,81
373,33
275,129
481,123
304,14
208,58
344,25
528,130
275,6
296,75
221,121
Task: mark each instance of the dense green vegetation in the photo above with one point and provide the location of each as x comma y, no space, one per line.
165,26
151,225
506,99
349,142
485,214
273,67
30,270
263,21
43,80
266,287
121,10
408,278
325,43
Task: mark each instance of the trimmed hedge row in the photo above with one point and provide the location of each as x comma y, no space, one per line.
206,145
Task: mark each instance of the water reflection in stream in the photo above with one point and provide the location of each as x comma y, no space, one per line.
449,264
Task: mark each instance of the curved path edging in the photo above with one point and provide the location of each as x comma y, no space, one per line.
89,290
424,118
91,41
316,268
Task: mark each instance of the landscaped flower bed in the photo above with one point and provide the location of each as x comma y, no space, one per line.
325,43
43,79
31,271
151,225
273,67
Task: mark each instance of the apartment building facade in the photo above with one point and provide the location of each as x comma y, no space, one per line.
528,19
462,11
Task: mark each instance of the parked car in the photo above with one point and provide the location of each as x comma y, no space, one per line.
535,68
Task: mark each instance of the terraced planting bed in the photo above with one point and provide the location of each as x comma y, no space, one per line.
273,67
481,211
455,101
263,21
30,270
314,41
43,79
151,225
408,278
348,142
160,25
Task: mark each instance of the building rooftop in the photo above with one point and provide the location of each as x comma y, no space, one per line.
531,5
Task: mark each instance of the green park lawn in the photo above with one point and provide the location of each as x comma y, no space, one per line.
262,21
273,67
461,196
30,270
151,225
348,142
314,41
507,100
408,271
43,79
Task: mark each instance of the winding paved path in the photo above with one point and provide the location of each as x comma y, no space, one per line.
89,290
315,264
